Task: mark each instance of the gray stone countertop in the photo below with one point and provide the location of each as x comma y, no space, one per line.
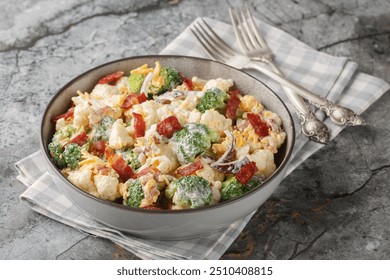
336,205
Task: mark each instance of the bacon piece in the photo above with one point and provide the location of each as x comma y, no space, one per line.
232,107
64,115
98,148
139,125
103,170
111,78
260,127
190,169
133,99
246,172
154,207
187,82
80,139
108,152
121,167
146,171
168,126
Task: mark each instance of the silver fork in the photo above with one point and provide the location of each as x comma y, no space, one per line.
253,45
220,51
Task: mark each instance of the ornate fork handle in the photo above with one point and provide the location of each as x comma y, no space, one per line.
337,113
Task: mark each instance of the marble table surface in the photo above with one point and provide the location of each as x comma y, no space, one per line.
336,205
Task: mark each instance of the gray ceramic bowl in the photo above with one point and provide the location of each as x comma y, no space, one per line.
169,224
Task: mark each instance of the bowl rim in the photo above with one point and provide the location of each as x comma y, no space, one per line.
162,211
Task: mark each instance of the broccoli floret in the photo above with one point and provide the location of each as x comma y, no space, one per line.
136,194
72,155
65,132
192,140
131,158
232,188
213,98
135,82
102,132
189,192
171,78
56,150
254,182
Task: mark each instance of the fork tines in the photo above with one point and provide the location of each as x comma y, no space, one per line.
211,42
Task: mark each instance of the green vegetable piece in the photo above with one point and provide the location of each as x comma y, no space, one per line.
135,82
63,133
189,192
56,150
131,158
192,140
103,131
232,188
136,194
171,78
72,155
213,98
254,182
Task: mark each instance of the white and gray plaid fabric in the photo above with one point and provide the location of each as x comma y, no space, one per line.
334,77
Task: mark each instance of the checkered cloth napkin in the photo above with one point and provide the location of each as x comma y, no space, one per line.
334,77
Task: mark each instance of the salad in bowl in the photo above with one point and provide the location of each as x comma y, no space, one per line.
154,138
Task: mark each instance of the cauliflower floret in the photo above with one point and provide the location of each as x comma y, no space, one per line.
165,159
194,116
163,163
60,124
119,137
216,190
107,187
148,110
242,151
82,110
190,102
182,115
150,133
103,91
198,83
82,179
208,173
216,121
264,160
81,114
164,112
220,83
107,95
122,84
